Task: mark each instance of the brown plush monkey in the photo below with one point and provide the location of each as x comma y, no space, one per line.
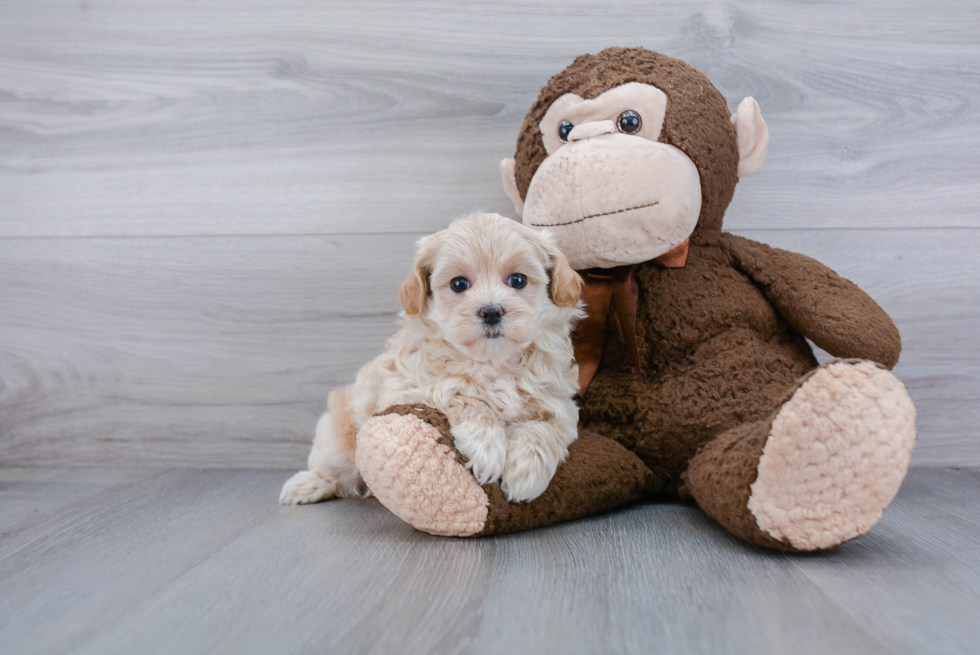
696,378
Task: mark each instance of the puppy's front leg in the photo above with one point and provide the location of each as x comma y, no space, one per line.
479,436
534,451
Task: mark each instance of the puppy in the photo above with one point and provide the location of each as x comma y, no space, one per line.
485,338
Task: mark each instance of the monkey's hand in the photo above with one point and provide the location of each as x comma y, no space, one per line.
832,311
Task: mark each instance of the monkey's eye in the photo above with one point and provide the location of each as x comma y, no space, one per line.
517,280
459,284
563,130
629,122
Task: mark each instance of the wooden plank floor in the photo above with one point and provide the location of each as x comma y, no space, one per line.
192,561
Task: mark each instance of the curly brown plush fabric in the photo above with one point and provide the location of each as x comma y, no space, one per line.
720,478
714,353
830,310
598,475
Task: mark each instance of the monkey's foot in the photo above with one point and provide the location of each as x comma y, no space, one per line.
835,456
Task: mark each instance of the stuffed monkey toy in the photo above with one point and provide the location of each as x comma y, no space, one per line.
695,376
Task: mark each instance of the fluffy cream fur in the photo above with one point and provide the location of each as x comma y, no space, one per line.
506,388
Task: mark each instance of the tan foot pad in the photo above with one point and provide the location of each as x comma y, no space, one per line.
417,478
836,455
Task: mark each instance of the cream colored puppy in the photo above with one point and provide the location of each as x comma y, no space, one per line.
486,339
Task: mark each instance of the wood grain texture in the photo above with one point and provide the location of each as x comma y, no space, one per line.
220,351
188,351
204,206
153,117
205,561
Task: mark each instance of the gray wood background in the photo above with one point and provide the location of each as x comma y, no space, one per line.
205,206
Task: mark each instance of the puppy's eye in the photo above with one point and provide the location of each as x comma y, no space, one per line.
629,122
563,129
459,284
517,280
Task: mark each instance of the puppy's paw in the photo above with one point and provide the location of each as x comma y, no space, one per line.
484,444
305,488
533,455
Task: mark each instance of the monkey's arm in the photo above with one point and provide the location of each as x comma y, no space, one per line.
832,311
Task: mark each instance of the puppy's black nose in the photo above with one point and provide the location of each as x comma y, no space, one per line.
491,314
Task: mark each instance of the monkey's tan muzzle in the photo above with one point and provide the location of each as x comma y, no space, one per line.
613,199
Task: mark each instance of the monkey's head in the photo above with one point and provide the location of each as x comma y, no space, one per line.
627,154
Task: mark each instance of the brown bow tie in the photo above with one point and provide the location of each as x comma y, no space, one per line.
617,287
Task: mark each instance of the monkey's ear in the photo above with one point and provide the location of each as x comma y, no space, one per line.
753,137
414,291
510,186
565,285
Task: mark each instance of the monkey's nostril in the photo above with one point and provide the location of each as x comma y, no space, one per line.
491,314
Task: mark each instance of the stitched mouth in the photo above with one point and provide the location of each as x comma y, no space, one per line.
585,218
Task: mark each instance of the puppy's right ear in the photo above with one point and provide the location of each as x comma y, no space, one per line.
414,291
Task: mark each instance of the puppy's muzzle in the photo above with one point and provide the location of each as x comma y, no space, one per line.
491,315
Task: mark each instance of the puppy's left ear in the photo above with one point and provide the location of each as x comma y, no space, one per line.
565,285
414,291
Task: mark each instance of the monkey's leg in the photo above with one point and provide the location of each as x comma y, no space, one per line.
821,470
407,458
